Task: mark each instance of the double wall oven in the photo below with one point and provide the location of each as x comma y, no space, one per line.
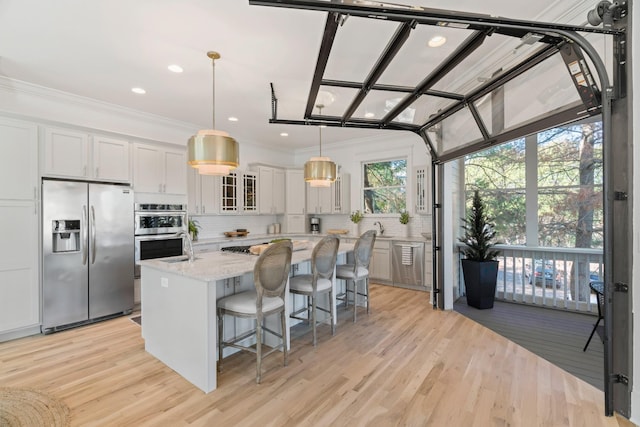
157,231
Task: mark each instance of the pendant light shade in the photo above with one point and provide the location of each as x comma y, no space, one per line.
320,171
211,151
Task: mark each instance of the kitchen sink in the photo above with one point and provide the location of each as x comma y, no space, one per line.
385,237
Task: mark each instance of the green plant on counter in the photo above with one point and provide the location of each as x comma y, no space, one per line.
356,216
194,229
404,217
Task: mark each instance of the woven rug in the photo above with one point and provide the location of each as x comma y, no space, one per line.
27,408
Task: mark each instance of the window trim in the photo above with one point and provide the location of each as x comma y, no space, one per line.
407,186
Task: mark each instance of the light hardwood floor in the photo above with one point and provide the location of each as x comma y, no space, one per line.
404,364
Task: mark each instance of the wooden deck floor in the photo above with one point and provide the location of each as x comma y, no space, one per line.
555,335
404,364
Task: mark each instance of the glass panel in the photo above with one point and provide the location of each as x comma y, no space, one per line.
350,61
538,92
385,200
458,130
416,60
570,186
377,104
499,175
497,54
335,100
491,109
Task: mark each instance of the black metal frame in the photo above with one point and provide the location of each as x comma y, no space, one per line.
553,38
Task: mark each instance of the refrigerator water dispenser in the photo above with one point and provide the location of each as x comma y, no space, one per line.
65,235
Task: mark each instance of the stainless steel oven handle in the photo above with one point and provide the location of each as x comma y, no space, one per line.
93,235
159,236
85,243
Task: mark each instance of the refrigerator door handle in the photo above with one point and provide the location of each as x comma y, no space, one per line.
84,242
93,235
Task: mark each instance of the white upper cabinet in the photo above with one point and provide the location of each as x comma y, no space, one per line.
111,159
73,154
174,172
66,153
19,164
249,192
271,189
229,193
295,192
333,199
158,169
319,200
202,193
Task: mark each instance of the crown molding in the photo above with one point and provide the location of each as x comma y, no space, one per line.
18,86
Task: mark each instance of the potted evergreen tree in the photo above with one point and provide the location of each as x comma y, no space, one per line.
479,267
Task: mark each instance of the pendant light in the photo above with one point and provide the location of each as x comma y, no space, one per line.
320,171
211,151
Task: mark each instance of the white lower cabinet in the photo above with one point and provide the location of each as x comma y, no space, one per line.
19,285
380,265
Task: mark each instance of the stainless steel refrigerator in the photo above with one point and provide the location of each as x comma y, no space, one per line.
87,252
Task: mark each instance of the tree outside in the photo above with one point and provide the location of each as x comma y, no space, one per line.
569,189
385,187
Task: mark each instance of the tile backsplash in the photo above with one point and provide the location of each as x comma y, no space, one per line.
213,226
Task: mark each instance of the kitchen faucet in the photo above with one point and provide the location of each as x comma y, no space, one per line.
381,227
190,248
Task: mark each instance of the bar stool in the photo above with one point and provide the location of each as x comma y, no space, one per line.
270,276
598,288
320,281
358,271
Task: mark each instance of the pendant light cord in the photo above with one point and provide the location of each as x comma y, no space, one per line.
320,127
213,92
213,56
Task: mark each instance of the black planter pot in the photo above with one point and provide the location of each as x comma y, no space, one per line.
480,279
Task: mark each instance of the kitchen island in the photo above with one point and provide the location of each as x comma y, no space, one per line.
178,305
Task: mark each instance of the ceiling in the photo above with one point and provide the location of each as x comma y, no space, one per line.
100,50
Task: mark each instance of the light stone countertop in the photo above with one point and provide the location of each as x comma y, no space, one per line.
219,265
251,239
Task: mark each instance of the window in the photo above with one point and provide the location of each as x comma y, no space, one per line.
385,186
565,191
499,175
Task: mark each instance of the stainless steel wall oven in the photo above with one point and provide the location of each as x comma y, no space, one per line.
157,231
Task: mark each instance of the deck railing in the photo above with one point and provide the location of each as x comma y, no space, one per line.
549,277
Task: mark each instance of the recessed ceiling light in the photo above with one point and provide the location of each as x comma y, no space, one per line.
284,134
233,119
369,115
437,41
175,68
138,90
